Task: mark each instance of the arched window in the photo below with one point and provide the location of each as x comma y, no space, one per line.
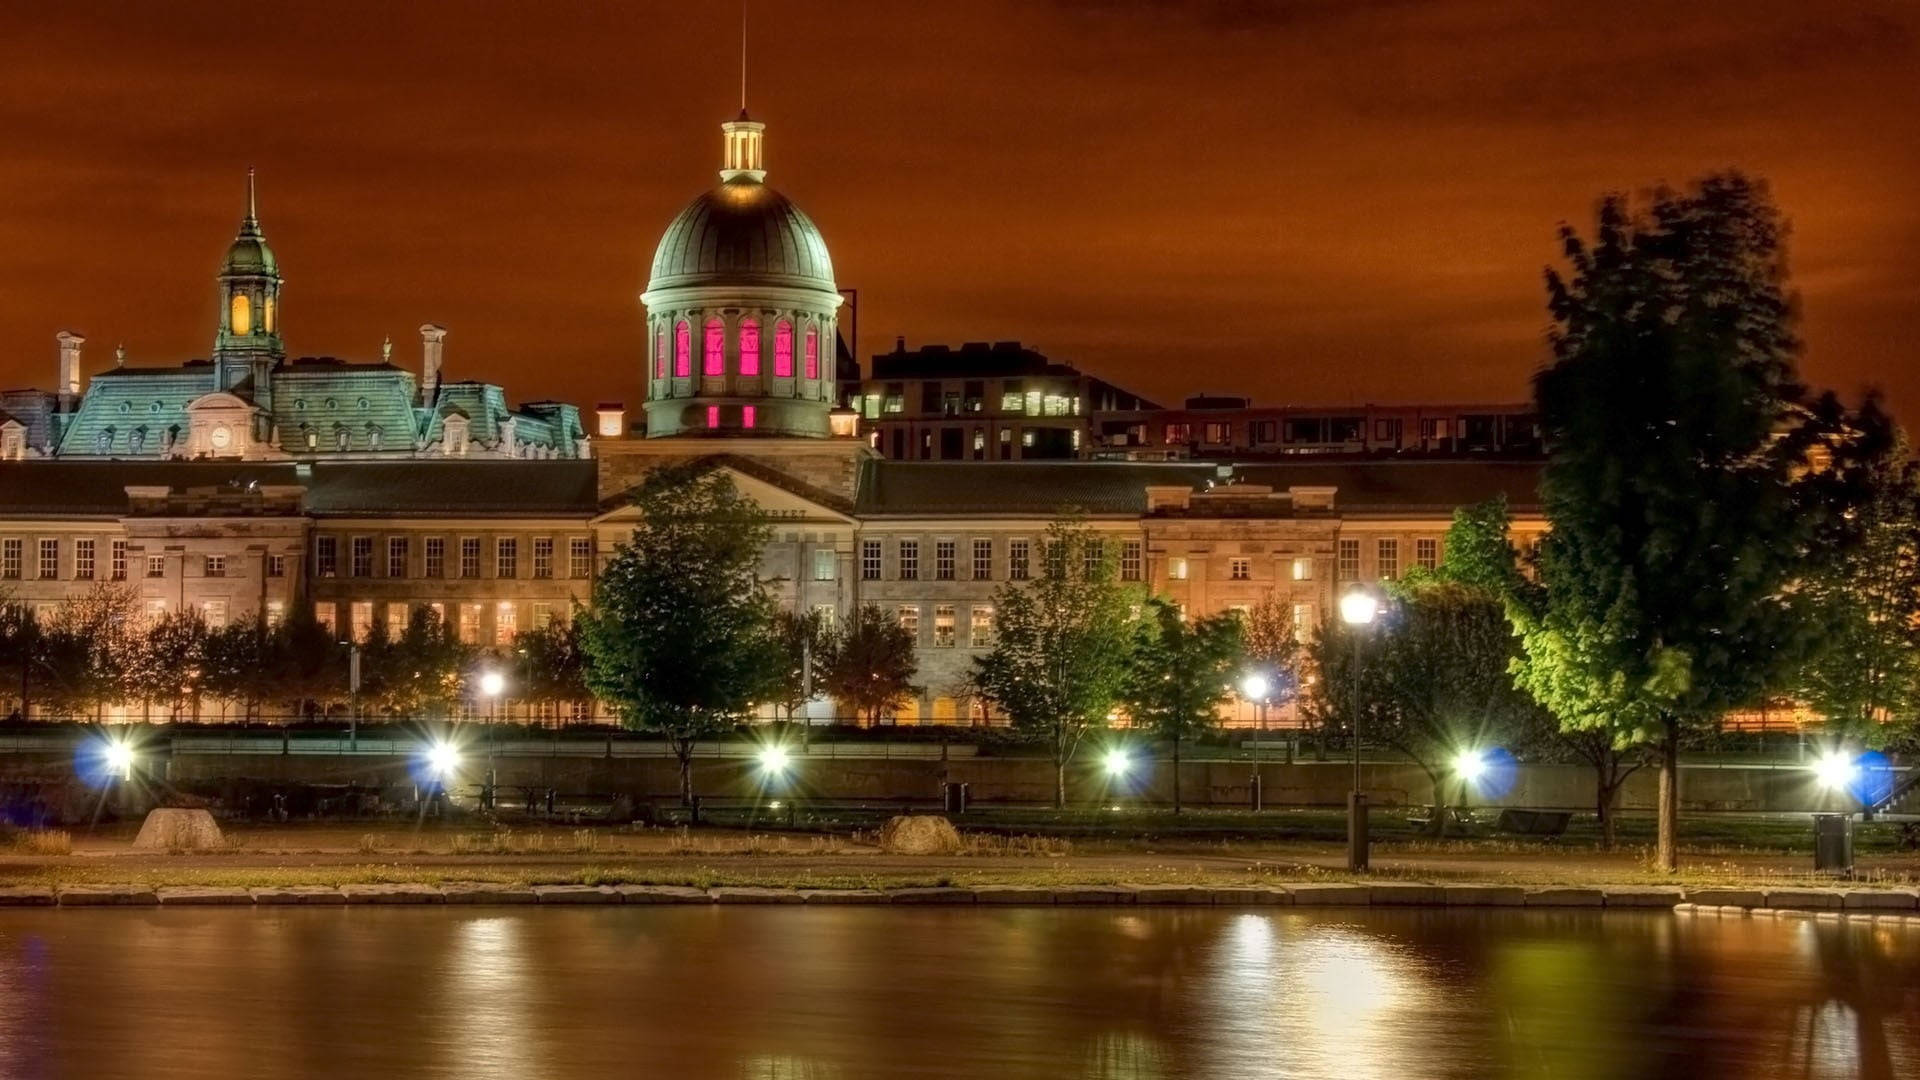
783,350
682,350
266,314
749,347
813,353
241,321
660,354
714,349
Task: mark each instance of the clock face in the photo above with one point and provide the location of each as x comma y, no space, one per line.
221,437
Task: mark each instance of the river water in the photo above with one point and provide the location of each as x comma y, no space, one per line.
841,993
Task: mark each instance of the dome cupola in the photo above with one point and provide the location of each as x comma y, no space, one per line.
741,308
248,338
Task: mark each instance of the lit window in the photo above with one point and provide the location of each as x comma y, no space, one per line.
1177,568
714,351
1303,569
323,613
266,314
909,615
470,623
506,623
242,314
783,350
943,626
660,355
396,621
982,628
713,416
749,348
682,350
746,416
823,564
362,616
813,353
276,612
1302,622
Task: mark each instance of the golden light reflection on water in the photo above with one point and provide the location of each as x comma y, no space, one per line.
848,994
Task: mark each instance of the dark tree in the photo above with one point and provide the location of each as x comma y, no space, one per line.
1180,673
870,668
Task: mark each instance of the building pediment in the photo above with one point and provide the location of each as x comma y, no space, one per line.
781,501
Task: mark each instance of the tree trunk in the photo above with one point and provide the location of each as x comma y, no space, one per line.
1176,774
683,749
1439,784
1667,855
1607,782
1059,781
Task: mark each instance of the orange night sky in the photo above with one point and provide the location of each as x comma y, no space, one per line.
1305,201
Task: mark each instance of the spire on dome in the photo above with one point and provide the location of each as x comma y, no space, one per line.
250,225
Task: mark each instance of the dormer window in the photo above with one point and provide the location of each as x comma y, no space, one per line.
341,438
103,442
137,440
373,437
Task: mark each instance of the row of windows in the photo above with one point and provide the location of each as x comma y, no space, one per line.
359,616
396,557
979,559
1240,568
1386,556
746,350
946,625
86,561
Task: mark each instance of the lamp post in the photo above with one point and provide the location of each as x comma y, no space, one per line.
1255,687
1357,609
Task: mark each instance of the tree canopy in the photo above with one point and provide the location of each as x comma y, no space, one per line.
870,667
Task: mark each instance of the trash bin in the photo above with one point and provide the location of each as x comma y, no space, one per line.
1833,842
953,796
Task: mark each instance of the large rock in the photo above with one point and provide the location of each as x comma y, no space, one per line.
169,829
919,834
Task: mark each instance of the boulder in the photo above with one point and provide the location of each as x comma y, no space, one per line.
174,829
919,834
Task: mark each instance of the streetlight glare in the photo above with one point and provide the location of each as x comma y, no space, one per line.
1470,765
119,757
1255,686
1358,607
1835,771
774,759
1118,763
492,683
443,758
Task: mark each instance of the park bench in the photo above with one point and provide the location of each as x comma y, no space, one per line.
1534,822
1459,817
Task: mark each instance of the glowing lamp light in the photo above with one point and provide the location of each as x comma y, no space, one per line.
1836,772
443,758
774,759
1470,765
119,757
492,683
1119,763
1255,686
1358,608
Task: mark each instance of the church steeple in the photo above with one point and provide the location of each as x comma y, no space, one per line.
247,341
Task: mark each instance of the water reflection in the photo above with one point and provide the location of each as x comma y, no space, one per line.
845,994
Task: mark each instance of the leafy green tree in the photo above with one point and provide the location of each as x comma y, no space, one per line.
1433,678
1180,674
871,666
1675,489
1864,675
1061,645
679,639
807,647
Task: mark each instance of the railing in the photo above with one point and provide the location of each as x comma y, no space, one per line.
476,741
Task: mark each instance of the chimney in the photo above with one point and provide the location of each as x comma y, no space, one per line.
612,423
70,342
432,343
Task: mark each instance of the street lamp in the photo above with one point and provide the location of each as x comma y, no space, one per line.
774,761
443,759
119,757
492,685
1836,771
1358,607
1255,687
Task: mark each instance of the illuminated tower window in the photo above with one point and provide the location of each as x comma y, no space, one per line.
713,416
813,353
746,416
242,320
783,350
266,314
682,350
714,355
749,348
660,355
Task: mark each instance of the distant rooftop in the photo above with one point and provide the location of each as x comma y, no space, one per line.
975,359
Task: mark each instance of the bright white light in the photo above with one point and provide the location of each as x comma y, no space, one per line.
1254,687
1118,763
1357,608
1836,772
1471,765
492,683
774,759
443,758
120,758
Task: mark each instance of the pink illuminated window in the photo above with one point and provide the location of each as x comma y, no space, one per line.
783,350
660,355
682,350
813,353
715,356
713,416
749,347
746,416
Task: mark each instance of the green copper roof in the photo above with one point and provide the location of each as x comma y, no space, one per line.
742,233
249,253
327,406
